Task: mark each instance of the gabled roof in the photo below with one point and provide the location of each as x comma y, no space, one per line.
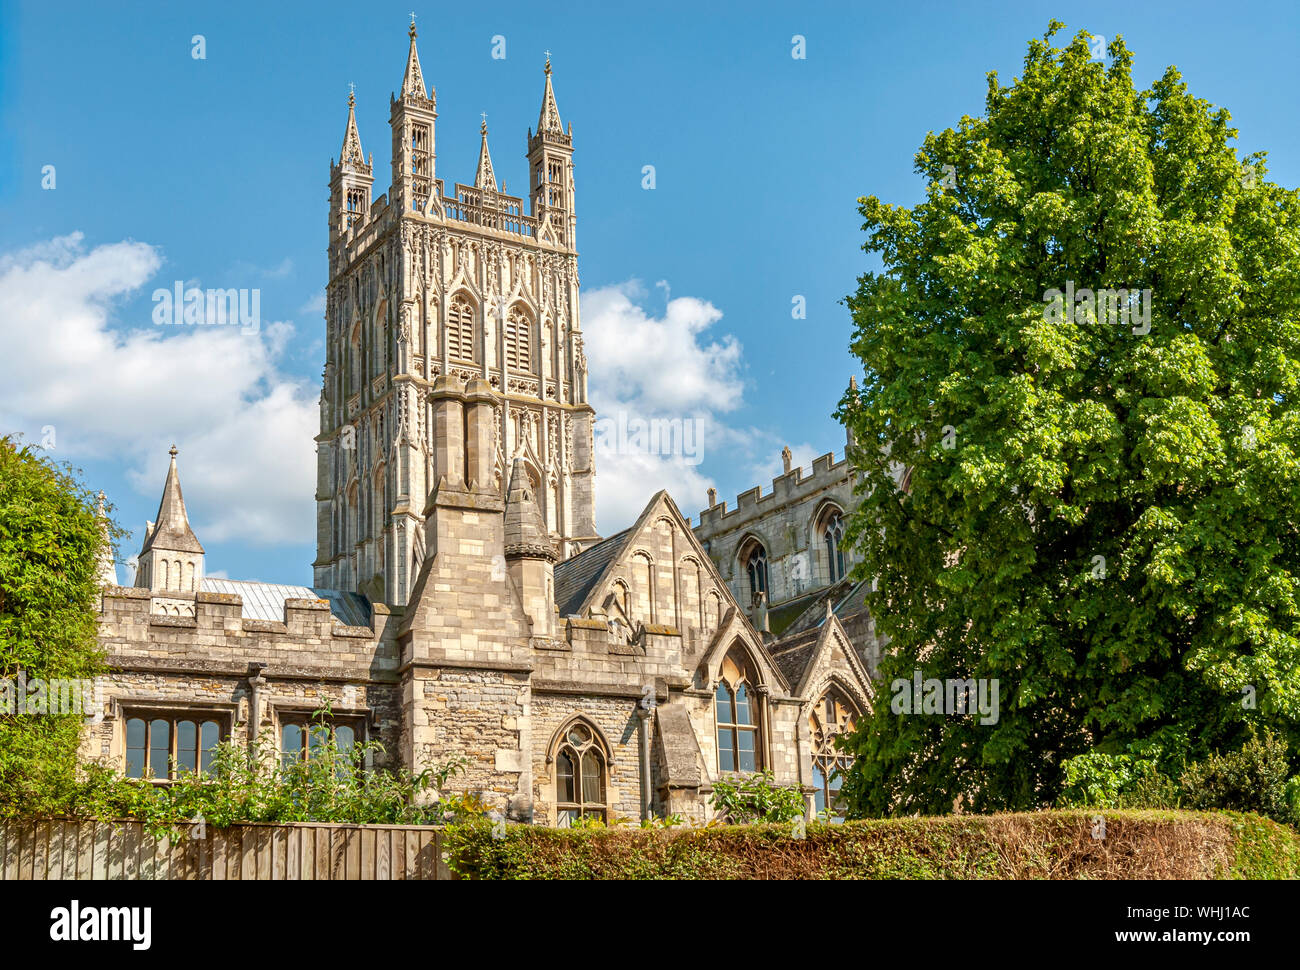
798,658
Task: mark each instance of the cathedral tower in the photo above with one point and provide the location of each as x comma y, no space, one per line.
425,284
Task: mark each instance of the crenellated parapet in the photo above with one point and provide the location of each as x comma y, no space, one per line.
780,541
215,629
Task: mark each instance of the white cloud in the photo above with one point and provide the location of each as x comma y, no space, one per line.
664,364
244,426
647,370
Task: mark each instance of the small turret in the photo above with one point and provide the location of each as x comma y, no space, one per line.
550,164
350,180
171,558
530,554
411,116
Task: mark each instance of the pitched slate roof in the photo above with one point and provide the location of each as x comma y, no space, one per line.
265,601
793,658
575,577
845,600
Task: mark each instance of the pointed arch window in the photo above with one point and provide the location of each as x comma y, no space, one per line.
756,570
832,716
833,538
735,708
519,336
579,775
460,330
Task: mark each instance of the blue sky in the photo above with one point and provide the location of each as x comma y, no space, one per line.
169,168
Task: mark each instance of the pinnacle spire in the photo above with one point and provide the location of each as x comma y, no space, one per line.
549,119
413,82
106,568
484,178
171,530
525,533
351,153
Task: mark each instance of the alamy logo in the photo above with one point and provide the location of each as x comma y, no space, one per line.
23,695
195,307
1120,308
73,924
662,437
952,696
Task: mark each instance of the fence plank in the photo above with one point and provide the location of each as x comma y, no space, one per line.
125,849
383,866
279,852
220,861
85,850
8,855
293,853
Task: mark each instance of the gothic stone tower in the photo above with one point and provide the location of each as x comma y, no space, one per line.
425,285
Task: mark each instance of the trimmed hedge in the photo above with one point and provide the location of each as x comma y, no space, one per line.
1026,845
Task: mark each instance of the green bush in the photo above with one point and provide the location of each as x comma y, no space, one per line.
252,784
757,798
50,543
1251,779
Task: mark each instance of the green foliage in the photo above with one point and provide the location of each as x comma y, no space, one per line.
1105,521
1251,779
756,798
50,544
1056,845
253,784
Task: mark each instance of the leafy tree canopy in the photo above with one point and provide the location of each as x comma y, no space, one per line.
1099,501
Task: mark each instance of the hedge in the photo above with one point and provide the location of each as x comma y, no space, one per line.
1054,844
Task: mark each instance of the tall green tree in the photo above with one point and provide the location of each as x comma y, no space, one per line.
50,543
1099,512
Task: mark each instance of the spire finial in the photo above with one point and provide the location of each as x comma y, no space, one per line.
173,451
549,119
413,81
352,95
485,178
99,504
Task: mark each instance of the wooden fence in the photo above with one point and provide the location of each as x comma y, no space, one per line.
71,849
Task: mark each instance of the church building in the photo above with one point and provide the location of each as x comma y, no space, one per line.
463,602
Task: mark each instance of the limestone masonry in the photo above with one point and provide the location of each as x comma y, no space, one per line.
463,602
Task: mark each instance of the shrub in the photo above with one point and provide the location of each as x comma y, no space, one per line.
1251,779
757,798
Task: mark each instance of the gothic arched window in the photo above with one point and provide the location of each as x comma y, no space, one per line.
832,716
519,337
833,538
756,569
579,775
735,708
460,330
